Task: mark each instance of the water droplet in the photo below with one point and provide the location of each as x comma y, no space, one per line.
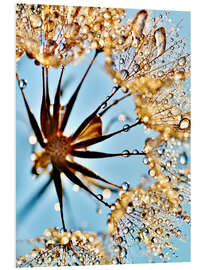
126,153
125,186
184,123
114,89
145,160
125,230
123,252
100,197
126,128
113,207
23,83
35,21
135,151
122,61
182,61
104,105
115,261
183,158
124,74
136,68
160,38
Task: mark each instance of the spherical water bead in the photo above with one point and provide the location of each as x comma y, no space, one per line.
23,83
182,61
115,261
126,153
104,105
184,123
123,253
100,197
125,186
125,230
125,74
113,207
122,61
137,68
145,160
126,128
183,158
114,89
135,151
35,21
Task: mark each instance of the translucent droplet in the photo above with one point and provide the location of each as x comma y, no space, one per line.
23,83
100,197
113,207
125,186
184,123
126,230
135,151
114,89
160,38
136,68
35,21
115,261
104,105
126,128
123,252
122,61
124,74
183,158
145,160
126,153
182,61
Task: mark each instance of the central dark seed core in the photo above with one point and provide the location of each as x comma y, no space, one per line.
59,147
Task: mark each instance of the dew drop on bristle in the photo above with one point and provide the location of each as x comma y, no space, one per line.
126,153
35,21
122,61
126,128
23,83
160,38
182,61
100,197
125,74
125,186
184,123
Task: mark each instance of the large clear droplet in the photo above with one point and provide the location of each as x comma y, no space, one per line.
160,38
184,123
125,74
35,21
182,61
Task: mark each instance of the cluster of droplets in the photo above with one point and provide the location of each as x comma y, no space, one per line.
147,218
58,35
165,109
156,51
65,249
169,164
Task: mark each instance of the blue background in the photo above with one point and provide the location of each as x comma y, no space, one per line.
80,209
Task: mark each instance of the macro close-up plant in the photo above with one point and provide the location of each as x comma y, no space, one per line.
103,125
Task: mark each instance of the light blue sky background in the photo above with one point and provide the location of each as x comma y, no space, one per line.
83,207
